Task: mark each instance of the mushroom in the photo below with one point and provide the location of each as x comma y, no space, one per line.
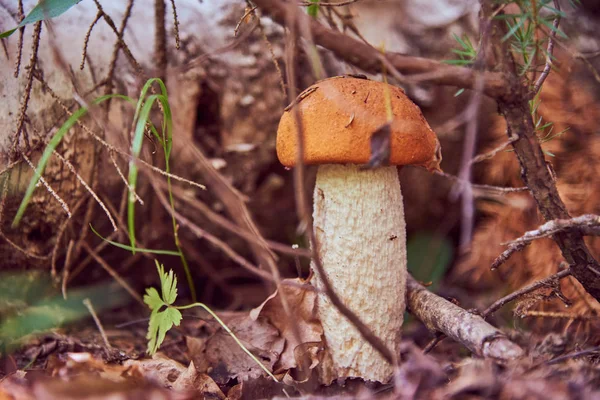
358,212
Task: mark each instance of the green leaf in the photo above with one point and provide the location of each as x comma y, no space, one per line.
168,286
45,9
152,298
313,9
161,321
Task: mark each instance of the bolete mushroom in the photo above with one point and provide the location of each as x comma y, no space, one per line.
358,212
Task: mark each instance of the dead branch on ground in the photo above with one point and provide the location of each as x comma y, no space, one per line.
440,315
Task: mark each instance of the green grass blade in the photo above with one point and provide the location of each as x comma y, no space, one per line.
52,145
126,247
54,142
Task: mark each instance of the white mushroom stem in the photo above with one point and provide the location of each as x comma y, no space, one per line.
360,229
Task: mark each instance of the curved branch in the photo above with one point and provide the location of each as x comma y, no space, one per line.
368,58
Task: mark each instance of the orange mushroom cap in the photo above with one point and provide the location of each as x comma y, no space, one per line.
340,114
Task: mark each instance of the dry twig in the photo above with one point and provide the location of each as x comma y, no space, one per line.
588,224
549,281
551,39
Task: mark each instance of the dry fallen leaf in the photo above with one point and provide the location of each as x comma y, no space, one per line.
218,355
302,332
199,383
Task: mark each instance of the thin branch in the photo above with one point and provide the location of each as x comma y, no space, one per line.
86,41
59,235
27,92
43,181
244,19
120,173
175,26
367,58
525,290
585,224
87,187
20,42
113,273
434,342
492,153
489,188
202,234
66,269
231,227
582,353
464,188
88,304
551,39
121,42
160,39
441,315
560,315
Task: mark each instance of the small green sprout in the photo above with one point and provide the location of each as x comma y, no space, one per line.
165,315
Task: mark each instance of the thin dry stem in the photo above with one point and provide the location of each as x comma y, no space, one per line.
175,25
232,227
61,231
492,153
160,39
549,281
273,58
71,168
202,234
66,269
489,188
87,40
90,307
549,51
20,42
116,48
113,273
244,19
120,173
27,92
62,203
585,224
119,34
327,4
3,236
559,315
